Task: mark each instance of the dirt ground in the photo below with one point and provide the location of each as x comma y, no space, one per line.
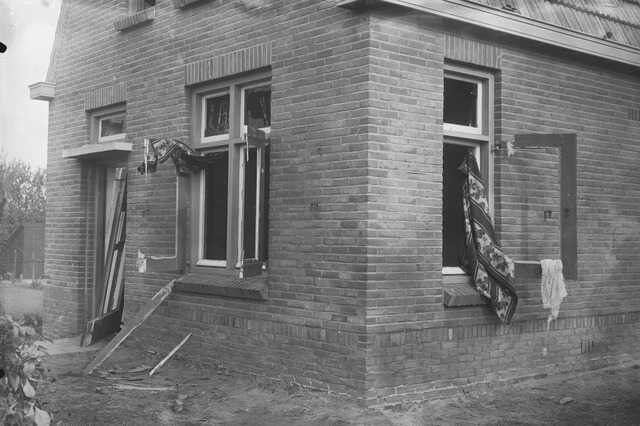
185,394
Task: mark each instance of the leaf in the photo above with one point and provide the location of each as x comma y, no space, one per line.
29,368
41,418
28,390
14,381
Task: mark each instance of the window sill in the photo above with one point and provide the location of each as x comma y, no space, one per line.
223,283
181,4
135,19
457,289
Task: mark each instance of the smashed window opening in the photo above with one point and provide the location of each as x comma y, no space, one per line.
461,102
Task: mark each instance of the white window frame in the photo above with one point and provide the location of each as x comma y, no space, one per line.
236,143
241,190
117,136
480,106
203,120
480,138
244,89
201,204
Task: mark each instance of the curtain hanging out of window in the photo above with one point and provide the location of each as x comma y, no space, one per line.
492,271
186,159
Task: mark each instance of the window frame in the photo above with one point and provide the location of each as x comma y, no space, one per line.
115,137
207,140
480,106
139,5
481,138
236,142
96,117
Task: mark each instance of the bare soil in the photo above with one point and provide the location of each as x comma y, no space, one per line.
188,394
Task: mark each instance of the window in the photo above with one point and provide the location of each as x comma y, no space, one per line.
108,124
215,117
111,128
233,124
467,125
138,5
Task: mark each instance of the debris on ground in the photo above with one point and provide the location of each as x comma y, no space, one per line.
170,354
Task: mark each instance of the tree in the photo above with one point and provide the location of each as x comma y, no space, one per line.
22,195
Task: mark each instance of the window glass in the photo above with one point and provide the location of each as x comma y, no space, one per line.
453,233
250,193
111,126
460,102
216,120
257,107
215,209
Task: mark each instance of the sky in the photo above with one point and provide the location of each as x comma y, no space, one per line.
27,28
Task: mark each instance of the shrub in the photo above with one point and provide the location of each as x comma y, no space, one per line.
20,371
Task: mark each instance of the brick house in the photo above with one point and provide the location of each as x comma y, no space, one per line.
324,250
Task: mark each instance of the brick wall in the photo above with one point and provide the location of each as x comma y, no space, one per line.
419,349
312,324
354,299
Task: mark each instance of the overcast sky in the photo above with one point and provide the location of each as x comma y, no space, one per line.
28,28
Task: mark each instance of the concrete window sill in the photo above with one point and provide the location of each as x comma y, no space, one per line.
457,290
223,283
181,4
135,19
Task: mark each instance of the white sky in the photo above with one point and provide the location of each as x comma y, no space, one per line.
28,28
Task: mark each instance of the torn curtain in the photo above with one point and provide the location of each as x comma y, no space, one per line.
184,157
491,270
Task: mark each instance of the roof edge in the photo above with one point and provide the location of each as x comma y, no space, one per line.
510,23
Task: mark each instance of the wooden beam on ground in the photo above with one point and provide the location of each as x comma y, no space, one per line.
134,323
166,358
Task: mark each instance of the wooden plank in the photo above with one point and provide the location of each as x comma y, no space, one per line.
115,298
117,226
135,322
99,328
170,354
569,207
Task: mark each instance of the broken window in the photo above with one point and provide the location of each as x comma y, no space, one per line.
257,113
453,233
215,122
462,104
213,217
234,197
466,115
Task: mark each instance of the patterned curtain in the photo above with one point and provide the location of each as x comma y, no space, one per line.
491,270
186,159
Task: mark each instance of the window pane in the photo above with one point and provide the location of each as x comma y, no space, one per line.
216,116
460,102
257,107
453,234
112,126
250,192
215,209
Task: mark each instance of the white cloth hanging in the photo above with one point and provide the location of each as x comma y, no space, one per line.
552,288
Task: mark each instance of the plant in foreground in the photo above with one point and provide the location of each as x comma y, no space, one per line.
20,372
